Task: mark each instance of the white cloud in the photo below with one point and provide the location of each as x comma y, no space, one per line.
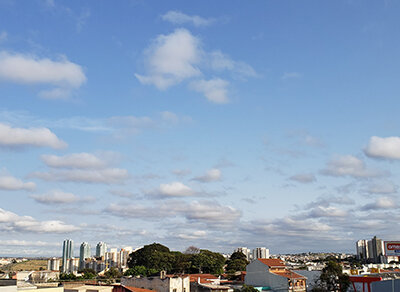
349,165
10,221
75,160
215,90
381,203
210,176
105,176
193,235
177,17
11,183
221,62
386,148
56,197
15,242
29,69
169,117
171,59
173,189
14,137
303,178
321,211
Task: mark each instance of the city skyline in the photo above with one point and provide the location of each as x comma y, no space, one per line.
198,123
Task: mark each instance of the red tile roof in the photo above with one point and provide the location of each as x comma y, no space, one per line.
204,278
273,262
289,274
135,289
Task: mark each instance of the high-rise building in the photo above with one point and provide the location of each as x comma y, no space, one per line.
362,249
377,250
53,264
260,253
68,253
246,251
84,254
101,249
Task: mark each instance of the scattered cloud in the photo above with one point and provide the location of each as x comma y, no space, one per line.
177,17
182,172
122,193
173,189
171,59
75,160
215,90
10,183
210,213
57,197
15,242
384,148
384,187
103,176
222,62
304,178
321,211
349,165
211,175
10,221
28,69
193,235
381,203
37,137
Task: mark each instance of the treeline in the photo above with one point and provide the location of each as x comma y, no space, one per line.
153,258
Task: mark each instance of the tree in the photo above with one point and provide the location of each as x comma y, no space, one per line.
192,250
88,274
236,262
246,288
208,262
113,273
332,278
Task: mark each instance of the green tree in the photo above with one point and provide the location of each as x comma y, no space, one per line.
112,273
236,262
152,256
332,278
207,262
67,277
88,274
246,288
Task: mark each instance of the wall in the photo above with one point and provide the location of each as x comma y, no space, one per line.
257,275
158,284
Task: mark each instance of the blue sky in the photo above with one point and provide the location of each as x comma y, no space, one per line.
210,123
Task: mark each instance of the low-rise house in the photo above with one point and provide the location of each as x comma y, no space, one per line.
163,283
273,275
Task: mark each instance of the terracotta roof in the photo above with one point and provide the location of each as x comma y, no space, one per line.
204,278
289,274
273,262
135,289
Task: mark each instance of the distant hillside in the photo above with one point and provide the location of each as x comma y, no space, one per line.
29,265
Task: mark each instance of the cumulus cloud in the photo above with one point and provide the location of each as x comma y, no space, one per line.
349,165
15,242
75,160
177,17
381,203
10,221
29,69
56,197
192,235
215,90
171,59
384,148
321,211
173,189
37,137
10,183
210,213
105,176
211,175
304,178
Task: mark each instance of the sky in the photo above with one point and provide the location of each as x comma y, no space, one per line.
217,124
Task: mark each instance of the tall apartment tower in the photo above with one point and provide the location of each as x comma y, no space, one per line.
84,254
362,249
245,251
260,253
377,249
101,249
68,253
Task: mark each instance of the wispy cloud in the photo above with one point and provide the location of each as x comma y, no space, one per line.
177,17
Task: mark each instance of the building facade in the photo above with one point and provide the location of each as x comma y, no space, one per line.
84,254
101,249
68,253
260,253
